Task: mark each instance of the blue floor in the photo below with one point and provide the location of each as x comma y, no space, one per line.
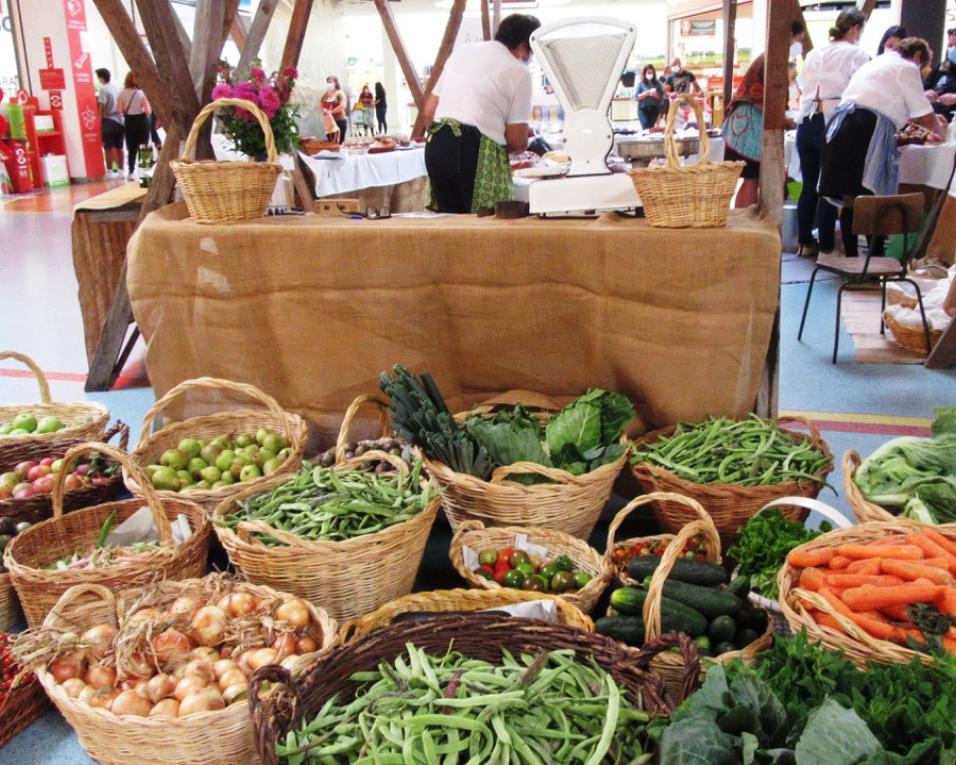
41,316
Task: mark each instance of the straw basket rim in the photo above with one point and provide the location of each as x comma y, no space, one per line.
863,509
910,337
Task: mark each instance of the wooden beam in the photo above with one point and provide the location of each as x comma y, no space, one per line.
798,16
776,82
230,15
395,38
239,31
867,7
207,45
184,40
485,20
296,38
496,18
730,26
455,16
257,33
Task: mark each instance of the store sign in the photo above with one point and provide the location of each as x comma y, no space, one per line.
85,94
698,27
52,79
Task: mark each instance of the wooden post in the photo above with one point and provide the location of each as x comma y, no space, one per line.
239,31
395,37
485,21
496,18
229,18
730,25
867,7
257,33
444,51
297,27
776,81
183,35
207,45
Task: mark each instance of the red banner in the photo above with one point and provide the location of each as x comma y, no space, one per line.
83,88
52,79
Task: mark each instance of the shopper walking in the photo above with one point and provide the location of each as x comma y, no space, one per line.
136,111
381,108
826,73
334,103
367,100
111,123
860,156
743,128
649,95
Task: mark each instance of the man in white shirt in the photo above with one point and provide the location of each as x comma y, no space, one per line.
797,33
480,110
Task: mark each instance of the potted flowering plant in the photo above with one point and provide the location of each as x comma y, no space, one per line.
272,95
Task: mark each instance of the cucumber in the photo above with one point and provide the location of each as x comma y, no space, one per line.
723,648
745,638
722,630
627,629
744,619
711,602
759,620
675,617
740,587
700,572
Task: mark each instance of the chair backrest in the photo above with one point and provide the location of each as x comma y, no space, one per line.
887,215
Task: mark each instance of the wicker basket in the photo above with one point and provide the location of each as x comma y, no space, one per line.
39,507
864,510
729,505
570,503
478,636
682,196
860,647
668,665
227,192
899,297
347,579
21,708
224,736
86,418
28,554
473,534
459,600
385,420
151,446
9,605
910,337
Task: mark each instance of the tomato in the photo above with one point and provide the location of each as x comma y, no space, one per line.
489,556
488,569
518,557
504,554
500,571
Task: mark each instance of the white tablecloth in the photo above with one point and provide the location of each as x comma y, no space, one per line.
353,172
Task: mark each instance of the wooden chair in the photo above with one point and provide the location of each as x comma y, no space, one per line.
874,216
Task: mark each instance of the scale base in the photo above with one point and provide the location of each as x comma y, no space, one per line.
582,195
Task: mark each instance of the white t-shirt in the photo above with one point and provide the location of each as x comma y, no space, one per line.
485,86
826,73
796,50
891,85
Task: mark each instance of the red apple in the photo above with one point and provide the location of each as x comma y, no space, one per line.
23,490
37,472
23,468
47,461
43,484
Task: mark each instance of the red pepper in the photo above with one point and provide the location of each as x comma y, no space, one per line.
504,554
501,568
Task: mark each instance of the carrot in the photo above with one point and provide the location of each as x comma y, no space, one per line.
930,548
839,562
876,626
911,571
868,597
811,579
897,612
866,566
946,564
902,552
826,620
946,602
949,645
858,580
944,542
810,558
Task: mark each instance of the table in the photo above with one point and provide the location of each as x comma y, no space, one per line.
102,226
347,172
312,308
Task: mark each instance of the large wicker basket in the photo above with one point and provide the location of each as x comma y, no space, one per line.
682,196
729,505
87,421
272,416
9,605
860,647
224,736
21,707
668,665
348,578
439,601
568,503
478,636
227,192
910,337
863,509
473,534
30,552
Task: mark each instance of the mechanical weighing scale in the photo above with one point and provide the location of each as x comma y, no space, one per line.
583,59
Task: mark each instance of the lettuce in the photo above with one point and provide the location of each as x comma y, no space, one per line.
583,435
893,475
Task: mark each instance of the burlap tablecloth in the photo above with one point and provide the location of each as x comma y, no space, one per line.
311,309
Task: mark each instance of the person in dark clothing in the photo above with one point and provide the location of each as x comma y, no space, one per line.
941,84
649,95
381,107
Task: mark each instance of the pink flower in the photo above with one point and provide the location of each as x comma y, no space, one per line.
290,73
258,75
222,90
246,90
269,101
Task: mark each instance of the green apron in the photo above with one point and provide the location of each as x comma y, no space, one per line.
492,176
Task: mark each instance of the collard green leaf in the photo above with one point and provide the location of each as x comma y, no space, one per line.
748,748
698,741
710,700
509,440
835,736
578,425
756,695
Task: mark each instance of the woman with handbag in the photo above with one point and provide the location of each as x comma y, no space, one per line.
136,111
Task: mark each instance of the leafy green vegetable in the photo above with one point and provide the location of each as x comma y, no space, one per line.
834,734
583,436
510,436
945,421
763,546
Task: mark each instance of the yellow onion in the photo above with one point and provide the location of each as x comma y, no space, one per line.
186,606
139,666
172,648
222,666
290,662
143,615
306,645
100,677
165,708
294,612
186,686
285,645
160,687
242,604
205,700
103,699
86,694
205,653
74,687
262,658
235,693
131,703
232,677
63,670
209,625
99,639
200,669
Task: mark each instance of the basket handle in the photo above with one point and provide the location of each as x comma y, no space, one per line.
851,463
190,147
555,474
804,422
675,548
251,391
76,591
146,487
670,145
664,496
529,399
830,513
689,654
383,415
277,709
376,455
44,386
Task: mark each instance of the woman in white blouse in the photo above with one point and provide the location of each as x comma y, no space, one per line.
826,73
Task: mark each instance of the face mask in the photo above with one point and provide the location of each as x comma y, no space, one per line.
677,69
330,86
952,56
649,76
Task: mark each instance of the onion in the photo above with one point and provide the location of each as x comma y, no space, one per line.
131,703
200,669
186,686
231,678
100,677
63,670
223,603
99,639
285,645
306,645
139,666
187,606
209,625
205,653
86,694
222,666
235,693
205,700
103,699
294,612
242,604
172,648
74,687
263,657
165,708
243,662
159,688
144,614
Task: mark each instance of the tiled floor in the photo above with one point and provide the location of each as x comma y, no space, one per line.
857,406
